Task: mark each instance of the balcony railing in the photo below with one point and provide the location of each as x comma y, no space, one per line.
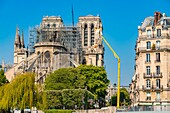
166,47
156,75
156,88
157,61
152,37
152,88
147,62
147,76
157,99
144,88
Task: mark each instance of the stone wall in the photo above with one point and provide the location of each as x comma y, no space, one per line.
102,110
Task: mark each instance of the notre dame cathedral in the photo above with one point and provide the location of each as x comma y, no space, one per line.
58,46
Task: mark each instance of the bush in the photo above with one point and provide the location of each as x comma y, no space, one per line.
59,111
68,98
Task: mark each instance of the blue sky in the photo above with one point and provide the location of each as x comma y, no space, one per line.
120,19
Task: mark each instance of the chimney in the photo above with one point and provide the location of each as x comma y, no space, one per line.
157,17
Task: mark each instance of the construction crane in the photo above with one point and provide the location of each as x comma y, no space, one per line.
117,57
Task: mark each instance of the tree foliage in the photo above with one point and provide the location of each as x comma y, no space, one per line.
21,92
67,98
124,98
64,78
3,79
96,79
89,77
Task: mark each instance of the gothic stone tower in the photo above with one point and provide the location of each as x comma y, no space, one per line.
20,53
93,49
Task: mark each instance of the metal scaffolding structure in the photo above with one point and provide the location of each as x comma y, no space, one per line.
68,36
32,32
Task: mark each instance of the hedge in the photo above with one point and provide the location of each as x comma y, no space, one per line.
59,111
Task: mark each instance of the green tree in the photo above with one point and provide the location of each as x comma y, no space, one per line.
3,79
124,98
96,79
20,92
64,78
89,77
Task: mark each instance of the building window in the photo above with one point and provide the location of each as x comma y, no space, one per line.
147,57
157,70
148,33
148,96
158,95
158,84
47,58
85,35
148,71
158,33
148,83
48,25
157,45
157,57
92,34
148,45
54,25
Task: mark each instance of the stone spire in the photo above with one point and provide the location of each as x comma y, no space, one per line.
22,40
17,43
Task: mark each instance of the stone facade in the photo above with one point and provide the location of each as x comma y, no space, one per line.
59,46
151,82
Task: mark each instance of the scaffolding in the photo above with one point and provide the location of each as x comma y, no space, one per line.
32,39
68,36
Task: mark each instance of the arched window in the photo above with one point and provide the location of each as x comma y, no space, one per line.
85,35
148,45
92,34
39,58
148,83
47,58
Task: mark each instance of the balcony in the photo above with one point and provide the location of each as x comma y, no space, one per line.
147,62
158,61
147,76
157,75
156,88
161,48
144,88
152,37
157,99
152,88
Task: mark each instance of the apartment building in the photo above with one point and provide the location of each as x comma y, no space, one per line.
150,86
